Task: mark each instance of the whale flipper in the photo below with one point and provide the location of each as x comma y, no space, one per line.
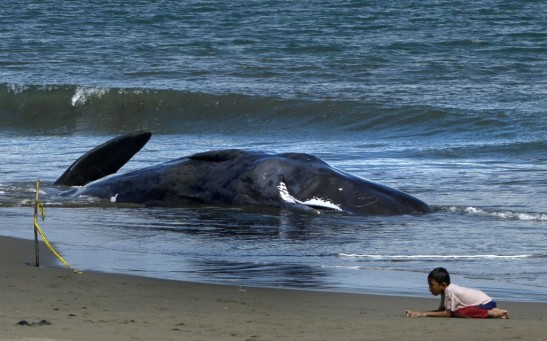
103,160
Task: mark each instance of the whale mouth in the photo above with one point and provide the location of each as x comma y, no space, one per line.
315,202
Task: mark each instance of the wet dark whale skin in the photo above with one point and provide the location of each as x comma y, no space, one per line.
251,178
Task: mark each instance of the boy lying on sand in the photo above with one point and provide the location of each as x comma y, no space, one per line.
458,301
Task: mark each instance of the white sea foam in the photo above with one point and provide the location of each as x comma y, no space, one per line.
17,88
434,257
529,216
82,95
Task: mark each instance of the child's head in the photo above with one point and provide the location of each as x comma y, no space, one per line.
438,279
440,275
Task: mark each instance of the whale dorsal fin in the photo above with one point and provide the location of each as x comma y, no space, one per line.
216,155
103,160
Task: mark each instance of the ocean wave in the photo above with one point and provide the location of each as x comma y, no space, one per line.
439,257
512,215
70,109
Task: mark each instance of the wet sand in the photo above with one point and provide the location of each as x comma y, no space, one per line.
97,306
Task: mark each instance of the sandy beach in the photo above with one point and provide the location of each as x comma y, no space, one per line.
96,306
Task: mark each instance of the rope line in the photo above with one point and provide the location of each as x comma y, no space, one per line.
39,207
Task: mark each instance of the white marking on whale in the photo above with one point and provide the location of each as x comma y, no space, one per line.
313,202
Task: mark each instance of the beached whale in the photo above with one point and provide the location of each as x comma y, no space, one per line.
231,177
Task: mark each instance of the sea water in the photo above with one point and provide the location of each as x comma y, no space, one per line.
444,100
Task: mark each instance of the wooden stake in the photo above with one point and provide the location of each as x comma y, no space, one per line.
36,246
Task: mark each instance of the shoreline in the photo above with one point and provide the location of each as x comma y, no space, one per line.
94,305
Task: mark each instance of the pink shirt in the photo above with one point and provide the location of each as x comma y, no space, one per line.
456,297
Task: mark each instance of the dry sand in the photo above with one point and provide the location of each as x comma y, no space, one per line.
96,306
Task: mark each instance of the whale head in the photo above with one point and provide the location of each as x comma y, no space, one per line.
305,180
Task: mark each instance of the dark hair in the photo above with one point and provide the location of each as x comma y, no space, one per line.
440,275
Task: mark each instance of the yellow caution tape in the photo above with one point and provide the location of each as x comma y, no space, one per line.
40,206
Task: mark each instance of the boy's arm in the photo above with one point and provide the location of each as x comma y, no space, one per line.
441,312
441,304
434,313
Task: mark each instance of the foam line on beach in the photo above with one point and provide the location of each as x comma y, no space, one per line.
436,257
513,215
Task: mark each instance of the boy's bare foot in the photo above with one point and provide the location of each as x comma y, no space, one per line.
498,313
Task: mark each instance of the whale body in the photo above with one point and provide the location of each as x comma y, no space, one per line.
232,177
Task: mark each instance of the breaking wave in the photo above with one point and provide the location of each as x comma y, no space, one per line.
512,215
401,258
69,109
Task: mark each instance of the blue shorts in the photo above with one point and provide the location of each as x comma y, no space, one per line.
488,306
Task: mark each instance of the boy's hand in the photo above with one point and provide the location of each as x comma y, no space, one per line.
410,313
